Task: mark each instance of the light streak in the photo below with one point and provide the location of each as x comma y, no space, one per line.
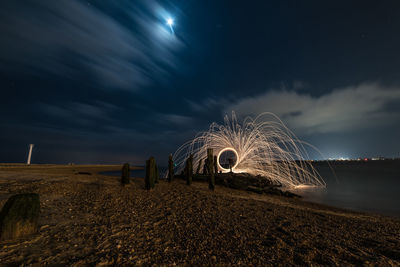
263,146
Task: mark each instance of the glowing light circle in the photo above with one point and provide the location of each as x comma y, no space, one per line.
237,158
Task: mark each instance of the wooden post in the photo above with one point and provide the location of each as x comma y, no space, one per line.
199,166
170,168
205,167
215,165
125,179
210,163
189,170
150,173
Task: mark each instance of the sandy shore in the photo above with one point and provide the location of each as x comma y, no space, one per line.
93,220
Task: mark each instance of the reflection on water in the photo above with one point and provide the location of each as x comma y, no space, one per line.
369,187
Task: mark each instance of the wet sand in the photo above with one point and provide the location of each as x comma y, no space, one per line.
93,220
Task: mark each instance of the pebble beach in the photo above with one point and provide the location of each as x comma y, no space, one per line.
89,219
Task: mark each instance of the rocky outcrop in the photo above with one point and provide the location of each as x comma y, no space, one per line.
247,182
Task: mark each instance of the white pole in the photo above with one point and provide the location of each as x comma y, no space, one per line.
30,154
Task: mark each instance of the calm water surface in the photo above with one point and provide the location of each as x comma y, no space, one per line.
361,186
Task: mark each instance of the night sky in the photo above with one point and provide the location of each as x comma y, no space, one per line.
107,81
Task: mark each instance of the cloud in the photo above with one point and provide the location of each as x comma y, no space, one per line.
81,114
71,38
344,109
206,104
176,119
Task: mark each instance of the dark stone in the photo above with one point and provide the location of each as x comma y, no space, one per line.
272,191
237,183
290,194
19,216
255,189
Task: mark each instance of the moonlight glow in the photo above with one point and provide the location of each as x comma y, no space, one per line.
263,146
170,22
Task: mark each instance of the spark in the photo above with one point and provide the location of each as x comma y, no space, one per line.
263,146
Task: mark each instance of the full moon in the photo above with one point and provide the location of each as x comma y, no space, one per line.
170,22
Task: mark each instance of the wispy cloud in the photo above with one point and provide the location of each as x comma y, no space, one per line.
71,38
351,108
175,119
81,114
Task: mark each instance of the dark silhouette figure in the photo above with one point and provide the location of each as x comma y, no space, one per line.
230,160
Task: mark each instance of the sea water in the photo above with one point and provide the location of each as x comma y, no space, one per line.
372,186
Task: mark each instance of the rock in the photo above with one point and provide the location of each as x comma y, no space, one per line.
272,191
44,227
255,189
19,216
237,183
290,194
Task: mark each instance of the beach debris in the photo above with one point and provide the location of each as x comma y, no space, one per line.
170,168
19,216
125,176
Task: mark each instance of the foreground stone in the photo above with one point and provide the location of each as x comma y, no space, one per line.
19,216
